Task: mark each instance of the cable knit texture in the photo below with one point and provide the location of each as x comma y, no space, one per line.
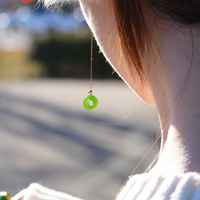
139,187
162,187
53,2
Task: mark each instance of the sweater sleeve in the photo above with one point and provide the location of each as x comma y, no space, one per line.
153,186
37,192
148,186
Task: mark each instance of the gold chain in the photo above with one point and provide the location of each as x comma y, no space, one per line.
91,58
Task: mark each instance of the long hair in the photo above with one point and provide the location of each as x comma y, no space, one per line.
134,35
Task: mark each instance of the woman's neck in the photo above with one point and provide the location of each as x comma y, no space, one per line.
177,97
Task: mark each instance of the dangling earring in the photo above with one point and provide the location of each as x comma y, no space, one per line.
91,102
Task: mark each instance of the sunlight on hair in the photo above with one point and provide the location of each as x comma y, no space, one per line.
53,2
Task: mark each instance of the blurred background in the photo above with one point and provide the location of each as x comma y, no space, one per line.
46,135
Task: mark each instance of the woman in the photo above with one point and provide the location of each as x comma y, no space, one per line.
155,47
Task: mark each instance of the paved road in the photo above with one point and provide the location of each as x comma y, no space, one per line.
48,137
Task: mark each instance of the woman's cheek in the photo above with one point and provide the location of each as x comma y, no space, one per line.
101,20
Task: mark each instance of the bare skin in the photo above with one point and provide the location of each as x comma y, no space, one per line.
173,74
173,83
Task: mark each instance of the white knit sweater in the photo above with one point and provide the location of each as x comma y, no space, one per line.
177,186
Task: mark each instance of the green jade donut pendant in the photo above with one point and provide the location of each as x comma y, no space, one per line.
90,102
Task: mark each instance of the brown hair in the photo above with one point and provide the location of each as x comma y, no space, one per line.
134,36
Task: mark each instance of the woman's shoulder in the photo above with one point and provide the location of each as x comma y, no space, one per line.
152,186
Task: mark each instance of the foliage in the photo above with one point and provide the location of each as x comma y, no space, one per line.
16,65
64,55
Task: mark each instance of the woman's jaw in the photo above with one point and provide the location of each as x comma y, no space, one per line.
100,18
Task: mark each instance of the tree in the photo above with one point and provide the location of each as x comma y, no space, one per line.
64,55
